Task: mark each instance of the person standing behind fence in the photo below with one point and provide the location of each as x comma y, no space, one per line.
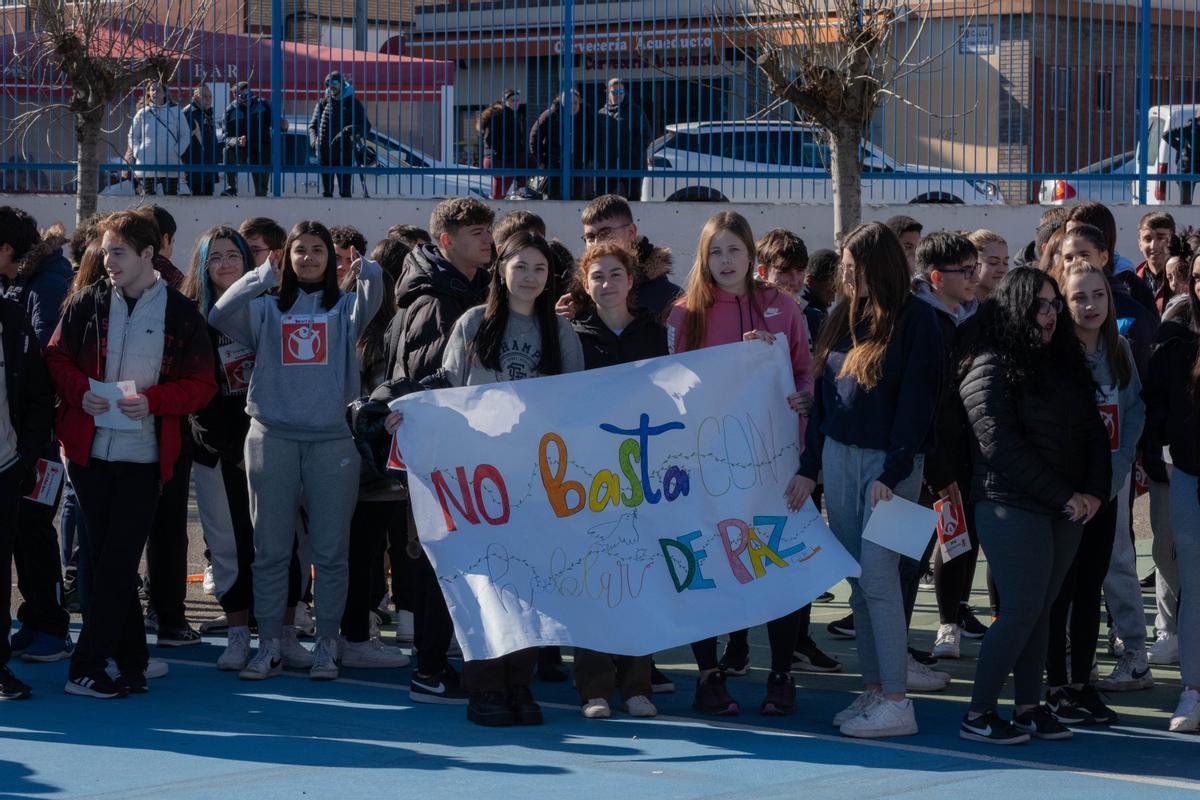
502,133
157,139
623,134
546,144
248,123
339,123
202,147
299,450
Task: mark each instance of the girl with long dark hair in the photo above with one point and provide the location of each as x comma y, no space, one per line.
515,335
299,450
1042,465
879,371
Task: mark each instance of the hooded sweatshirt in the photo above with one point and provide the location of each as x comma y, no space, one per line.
732,316
1121,408
430,298
306,364
40,286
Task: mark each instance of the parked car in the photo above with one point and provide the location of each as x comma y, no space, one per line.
381,151
1072,190
1169,125
797,152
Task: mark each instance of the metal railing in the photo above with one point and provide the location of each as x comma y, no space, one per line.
992,101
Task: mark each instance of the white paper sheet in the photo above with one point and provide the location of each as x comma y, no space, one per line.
901,526
112,392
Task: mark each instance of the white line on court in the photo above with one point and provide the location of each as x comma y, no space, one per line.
666,720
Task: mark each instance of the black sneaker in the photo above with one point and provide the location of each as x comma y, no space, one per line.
12,687
99,686
926,583
1150,581
824,597
969,626
177,637
808,658
133,682
525,709
713,698
441,689
1039,722
781,696
842,628
735,661
151,621
1088,699
660,682
923,657
1062,706
990,729
490,709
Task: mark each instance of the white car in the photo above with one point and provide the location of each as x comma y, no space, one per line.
1071,189
1168,126
798,153
381,152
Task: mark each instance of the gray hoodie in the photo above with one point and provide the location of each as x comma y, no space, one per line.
306,367
923,289
1130,415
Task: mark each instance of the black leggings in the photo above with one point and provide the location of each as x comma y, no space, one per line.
1079,599
368,534
781,632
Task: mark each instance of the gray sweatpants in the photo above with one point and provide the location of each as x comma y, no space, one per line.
285,473
1029,555
875,597
1166,567
1122,587
1185,519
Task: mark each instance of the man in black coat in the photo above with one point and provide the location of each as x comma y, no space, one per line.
203,149
625,134
336,131
546,144
248,123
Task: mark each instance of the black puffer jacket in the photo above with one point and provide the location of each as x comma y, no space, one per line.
1170,414
644,338
430,298
1034,445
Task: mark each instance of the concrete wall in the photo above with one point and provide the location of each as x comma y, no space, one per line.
675,225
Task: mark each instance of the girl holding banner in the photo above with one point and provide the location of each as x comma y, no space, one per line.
1042,464
515,335
219,430
724,304
879,363
299,450
1071,697
614,334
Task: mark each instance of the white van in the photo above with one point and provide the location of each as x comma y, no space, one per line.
1168,124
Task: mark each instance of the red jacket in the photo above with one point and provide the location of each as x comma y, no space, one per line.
79,346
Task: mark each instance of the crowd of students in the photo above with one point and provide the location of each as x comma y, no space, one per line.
1037,401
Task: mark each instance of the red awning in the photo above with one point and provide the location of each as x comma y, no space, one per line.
230,58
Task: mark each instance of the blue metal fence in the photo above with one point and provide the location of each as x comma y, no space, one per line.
990,101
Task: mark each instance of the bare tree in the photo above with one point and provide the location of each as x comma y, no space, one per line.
835,62
103,51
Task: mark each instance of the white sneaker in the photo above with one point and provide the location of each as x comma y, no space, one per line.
923,679
210,585
215,625
947,644
371,654
156,668
1186,718
324,656
640,706
884,718
860,704
237,652
1131,673
404,626
294,654
304,623
596,708
1165,650
266,662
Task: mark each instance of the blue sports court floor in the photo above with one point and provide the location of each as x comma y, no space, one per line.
204,734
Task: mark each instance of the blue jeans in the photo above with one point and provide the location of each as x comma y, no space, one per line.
875,596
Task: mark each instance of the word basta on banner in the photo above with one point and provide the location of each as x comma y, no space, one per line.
626,509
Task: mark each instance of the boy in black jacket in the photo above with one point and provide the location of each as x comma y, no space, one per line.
25,419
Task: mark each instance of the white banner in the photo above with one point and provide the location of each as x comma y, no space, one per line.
627,509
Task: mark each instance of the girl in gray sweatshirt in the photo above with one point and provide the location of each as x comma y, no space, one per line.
299,451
